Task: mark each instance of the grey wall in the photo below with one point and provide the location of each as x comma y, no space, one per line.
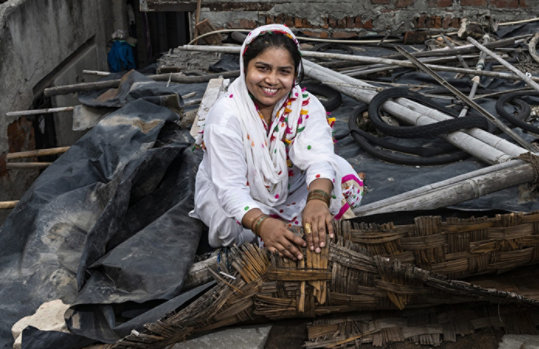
43,43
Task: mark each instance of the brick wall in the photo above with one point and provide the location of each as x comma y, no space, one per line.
346,18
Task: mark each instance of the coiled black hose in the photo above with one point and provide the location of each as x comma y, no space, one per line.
524,109
397,153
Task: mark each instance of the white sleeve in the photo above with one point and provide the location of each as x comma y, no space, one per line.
227,166
312,149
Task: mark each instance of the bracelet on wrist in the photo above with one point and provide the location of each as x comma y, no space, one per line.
318,194
257,223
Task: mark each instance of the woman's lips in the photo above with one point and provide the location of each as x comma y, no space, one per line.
269,91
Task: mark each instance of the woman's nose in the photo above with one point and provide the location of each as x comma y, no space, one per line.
271,77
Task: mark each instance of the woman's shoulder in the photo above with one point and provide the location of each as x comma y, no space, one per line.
222,111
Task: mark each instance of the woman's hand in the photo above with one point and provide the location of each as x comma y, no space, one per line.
278,239
316,215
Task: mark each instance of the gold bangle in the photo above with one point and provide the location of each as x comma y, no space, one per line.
255,227
318,194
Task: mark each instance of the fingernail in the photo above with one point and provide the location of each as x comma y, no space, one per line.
318,250
322,244
331,236
300,256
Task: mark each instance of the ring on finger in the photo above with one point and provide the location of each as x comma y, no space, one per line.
307,228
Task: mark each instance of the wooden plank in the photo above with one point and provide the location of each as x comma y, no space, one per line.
214,90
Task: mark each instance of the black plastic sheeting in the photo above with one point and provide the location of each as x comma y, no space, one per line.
105,227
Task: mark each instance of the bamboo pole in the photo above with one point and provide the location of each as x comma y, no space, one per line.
26,165
175,77
8,204
453,193
431,189
364,59
37,152
39,111
525,77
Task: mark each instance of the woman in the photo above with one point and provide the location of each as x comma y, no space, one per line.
269,161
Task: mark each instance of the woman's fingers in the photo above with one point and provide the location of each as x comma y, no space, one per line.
329,225
287,249
308,233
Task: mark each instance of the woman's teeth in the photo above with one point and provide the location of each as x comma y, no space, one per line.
270,91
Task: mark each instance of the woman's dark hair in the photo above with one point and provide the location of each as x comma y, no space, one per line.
274,39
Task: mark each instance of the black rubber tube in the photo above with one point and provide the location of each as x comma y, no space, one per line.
431,156
524,109
331,98
431,130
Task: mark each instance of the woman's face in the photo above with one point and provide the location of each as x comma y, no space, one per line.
270,76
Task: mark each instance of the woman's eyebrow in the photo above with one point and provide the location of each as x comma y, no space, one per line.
269,65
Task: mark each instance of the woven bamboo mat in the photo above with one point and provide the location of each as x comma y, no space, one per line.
430,327
368,267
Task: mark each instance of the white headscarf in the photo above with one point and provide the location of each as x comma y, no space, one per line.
265,154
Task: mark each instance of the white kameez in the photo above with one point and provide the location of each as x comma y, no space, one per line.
246,167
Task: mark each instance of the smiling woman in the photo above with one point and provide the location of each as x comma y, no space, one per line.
269,162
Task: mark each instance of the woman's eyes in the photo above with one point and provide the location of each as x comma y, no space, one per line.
265,69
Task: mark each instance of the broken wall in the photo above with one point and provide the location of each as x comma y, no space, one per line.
343,19
43,43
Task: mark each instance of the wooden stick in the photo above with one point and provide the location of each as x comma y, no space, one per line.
37,152
364,59
526,77
197,19
38,111
8,204
175,77
476,79
26,165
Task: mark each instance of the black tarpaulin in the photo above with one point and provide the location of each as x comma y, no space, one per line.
106,224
